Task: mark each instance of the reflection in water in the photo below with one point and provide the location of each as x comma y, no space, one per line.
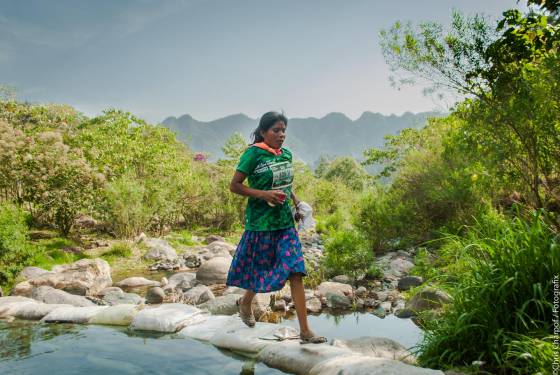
358,324
29,348
16,337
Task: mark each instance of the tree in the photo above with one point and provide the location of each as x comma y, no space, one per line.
348,171
511,76
234,146
449,60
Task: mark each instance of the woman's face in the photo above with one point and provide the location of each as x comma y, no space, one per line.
275,136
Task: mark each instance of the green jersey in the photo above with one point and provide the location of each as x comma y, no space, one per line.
267,171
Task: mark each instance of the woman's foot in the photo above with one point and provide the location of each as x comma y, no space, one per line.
310,338
246,313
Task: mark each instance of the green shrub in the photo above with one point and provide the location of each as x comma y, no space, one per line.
503,293
126,209
381,219
16,251
373,272
347,252
332,223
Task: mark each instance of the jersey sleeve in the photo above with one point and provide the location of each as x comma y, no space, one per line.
247,161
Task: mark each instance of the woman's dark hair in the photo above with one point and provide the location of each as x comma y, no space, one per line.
267,121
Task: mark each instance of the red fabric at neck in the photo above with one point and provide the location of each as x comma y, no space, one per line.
264,146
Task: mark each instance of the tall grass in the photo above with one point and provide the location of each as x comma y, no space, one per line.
503,293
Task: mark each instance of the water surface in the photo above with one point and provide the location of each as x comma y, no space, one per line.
35,348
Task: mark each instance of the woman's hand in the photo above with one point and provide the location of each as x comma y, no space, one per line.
273,196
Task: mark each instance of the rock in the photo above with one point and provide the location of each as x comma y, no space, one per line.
121,315
360,303
164,281
197,295
427,299
261,305
336,301
167,265
36,311
234,290
224,305
214,271
405,254
409,282
361,291
182,281
169,317
159,250
280,305
404,313
400,266
136,282
221,248
381,296
22,289
29,273
214,324
335,288
344,279
371,302
192,260
141,238
85,222
380,312
84,277
9,306
246,340
155,295
111,289
79,315
294,358
377,347
50,295
118,297
386,306
213,238
363,365
13,299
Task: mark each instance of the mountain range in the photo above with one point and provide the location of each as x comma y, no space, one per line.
307,138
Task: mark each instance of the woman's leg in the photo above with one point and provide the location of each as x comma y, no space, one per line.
298,296
246,300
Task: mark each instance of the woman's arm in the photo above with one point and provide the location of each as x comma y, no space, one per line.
294,199
236,186
298,216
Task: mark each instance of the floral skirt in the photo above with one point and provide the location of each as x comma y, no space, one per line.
264,260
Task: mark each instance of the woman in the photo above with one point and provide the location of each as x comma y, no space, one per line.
269,252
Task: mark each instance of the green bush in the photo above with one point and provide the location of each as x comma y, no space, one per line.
503,297
382,220
16,251
347,171
337,221
126,209
434,188
347,253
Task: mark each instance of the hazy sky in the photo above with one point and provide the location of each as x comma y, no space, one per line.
209,58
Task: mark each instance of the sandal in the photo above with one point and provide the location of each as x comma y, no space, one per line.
312,339
247,318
